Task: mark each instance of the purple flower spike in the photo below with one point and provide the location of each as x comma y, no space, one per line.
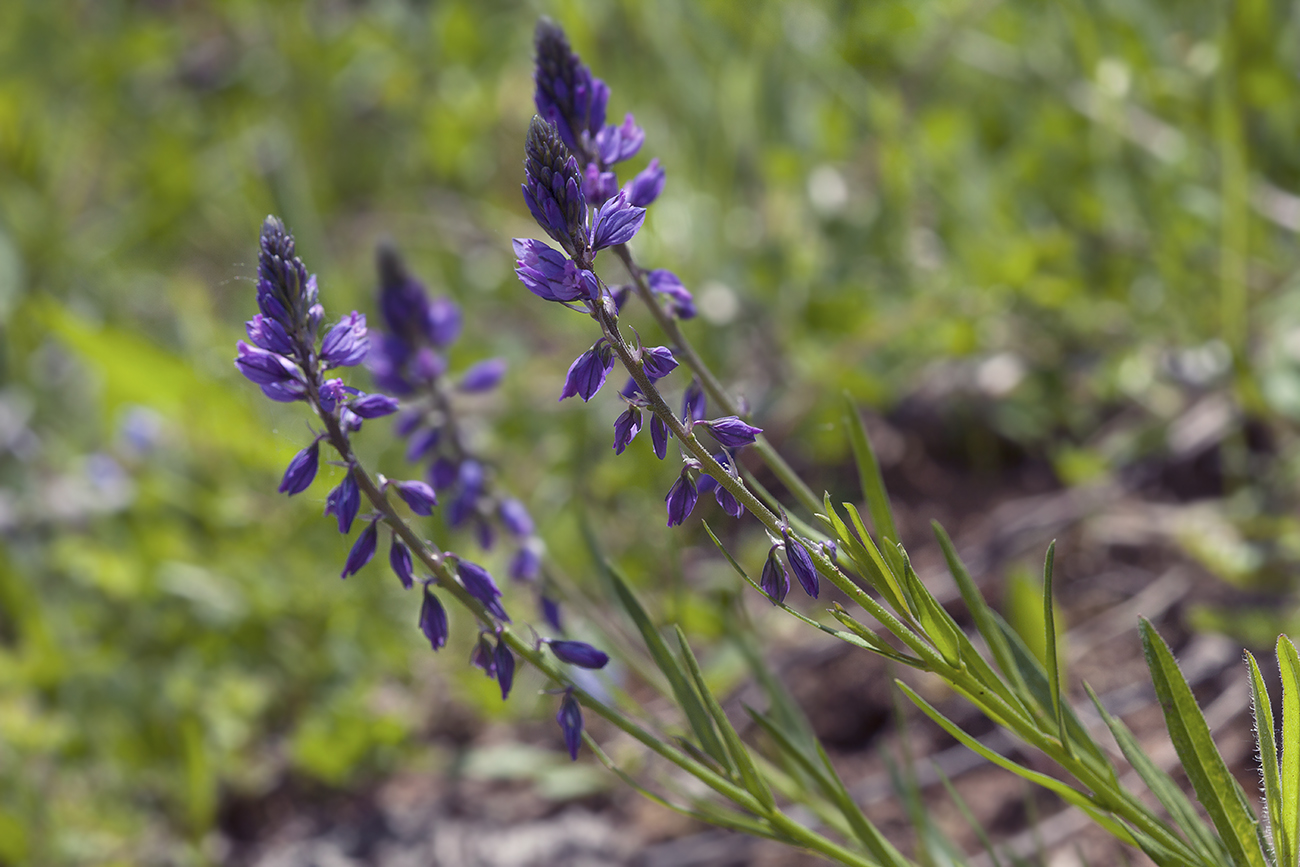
659,434
515,517
616,223
666,283
480,585
579,653
553,188
626,427
567,94
588,371
658,361
346,344
694,402
399,557
343,502
681,499
570,720
483,376
265,368
505,665
551,613
775,581
547,273
302,470
363,549
418,495
373,405
731,432
646,186
433,619
802,564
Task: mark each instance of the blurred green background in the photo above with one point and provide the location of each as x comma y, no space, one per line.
1071,223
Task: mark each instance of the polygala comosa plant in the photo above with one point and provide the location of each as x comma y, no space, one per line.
782,786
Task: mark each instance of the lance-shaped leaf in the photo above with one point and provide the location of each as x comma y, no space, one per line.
1053,664
1289,663
1264,733
873,486
1215,786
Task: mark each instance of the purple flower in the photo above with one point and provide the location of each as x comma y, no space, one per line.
483,376
443,473
515,517
346,344
443,321
302,470
403,301
284,291
505,666
681,499
263,367
646,186
399,557
526,564
373,405
658,362
731,432
418,495
626,427
427,365
553,188
567,94
598,186
659,434
363,549
421,443
570,720
726,500
268,334
484,533
433,619
331,392
616,223
484,656
549,274
587,373
551,612
828,550
479,584
802,564
775,581
285,392
344,501
579,653
666,283
694,403
617,143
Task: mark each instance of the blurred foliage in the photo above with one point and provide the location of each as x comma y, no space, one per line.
1052,216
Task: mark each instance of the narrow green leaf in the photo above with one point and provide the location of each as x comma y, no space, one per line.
888,572
1201,838
1264,734
873,485
871,640
1071,795
696,714
966,813
753,780
1288,662
1215,786
935,622
1053,664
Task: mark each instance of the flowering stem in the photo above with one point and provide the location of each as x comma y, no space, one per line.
712,386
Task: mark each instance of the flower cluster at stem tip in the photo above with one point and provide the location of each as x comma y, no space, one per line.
289,355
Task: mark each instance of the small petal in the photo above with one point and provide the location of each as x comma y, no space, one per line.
681,499
418,495
802,564
363,549
346,343
728,502
505,665
598,186
443,473
479,584
659,434
731,432
666,283
268,334
775,581
399,557
344,502
626,427
421,443
658,361
526,565
551,613
570,720
265,368
646,186
515,517
616,223
443,323
302,470
433,619
694,402
588,372
373,405
484,656
579,653
546,272
483,376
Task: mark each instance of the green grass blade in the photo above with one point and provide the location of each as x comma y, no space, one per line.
1215,786
966,813
696,715
753,780
873,485
1264,734
938,626
1288,662
1201,838
1053,664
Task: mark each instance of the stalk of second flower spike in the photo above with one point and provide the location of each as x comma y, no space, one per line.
712,386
